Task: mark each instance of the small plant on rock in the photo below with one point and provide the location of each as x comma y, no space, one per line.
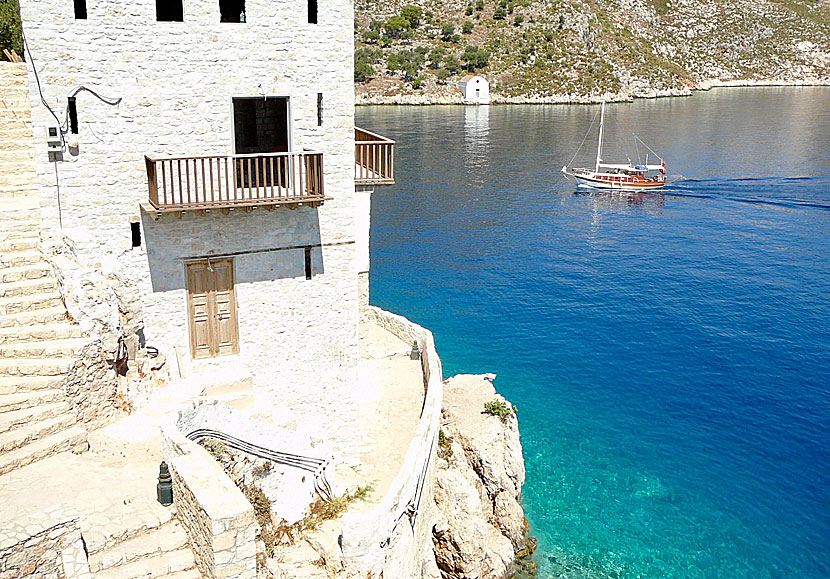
498,408
444,445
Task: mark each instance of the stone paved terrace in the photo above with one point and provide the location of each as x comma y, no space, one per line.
112,488
391,387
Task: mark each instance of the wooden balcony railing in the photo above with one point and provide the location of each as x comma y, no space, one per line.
374,159
221,182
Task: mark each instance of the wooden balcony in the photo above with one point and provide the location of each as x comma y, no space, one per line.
374,159
235,181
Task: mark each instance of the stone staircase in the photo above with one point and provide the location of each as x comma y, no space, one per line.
38,343
158,552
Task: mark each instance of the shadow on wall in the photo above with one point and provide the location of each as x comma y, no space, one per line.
264,245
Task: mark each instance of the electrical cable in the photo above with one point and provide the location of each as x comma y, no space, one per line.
40,90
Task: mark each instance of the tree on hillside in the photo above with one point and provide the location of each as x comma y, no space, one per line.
412,14
475,57
447,31
407,61
11,37
396,27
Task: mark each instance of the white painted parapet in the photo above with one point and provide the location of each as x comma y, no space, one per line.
395,538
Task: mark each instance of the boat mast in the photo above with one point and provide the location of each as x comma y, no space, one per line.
599,145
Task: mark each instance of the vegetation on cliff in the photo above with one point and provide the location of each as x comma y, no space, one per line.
532,49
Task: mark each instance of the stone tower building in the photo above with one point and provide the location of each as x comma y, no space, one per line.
203,153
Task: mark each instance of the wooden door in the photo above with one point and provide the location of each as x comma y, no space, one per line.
211,308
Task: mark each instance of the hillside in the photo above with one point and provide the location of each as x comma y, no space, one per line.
584,50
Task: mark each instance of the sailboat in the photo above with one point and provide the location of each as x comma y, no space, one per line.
618,176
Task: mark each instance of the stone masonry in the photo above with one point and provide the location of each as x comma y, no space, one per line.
177,81
38,344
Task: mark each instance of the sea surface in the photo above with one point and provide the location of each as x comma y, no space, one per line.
669,353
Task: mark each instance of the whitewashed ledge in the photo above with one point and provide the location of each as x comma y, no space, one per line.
396,536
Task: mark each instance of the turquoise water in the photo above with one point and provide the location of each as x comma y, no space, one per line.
669,353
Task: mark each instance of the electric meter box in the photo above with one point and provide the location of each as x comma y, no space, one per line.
53,143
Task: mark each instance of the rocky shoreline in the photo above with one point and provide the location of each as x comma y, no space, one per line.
481,531
449,96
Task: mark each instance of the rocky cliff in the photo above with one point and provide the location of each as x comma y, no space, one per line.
478,484
585,50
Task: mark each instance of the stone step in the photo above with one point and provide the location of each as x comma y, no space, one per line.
35,366
24,244
19,273
30,303
20,400
168,537
73,438
16,156
14,419
28,384
28,287
189,574
31,192
17,178
37,333
19,258
21,436
157,566
47,316
21,210
49,349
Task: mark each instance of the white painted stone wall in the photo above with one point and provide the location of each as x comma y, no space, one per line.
395,538
176,81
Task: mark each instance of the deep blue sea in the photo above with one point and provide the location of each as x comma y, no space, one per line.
669,353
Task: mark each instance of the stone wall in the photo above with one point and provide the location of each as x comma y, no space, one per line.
91,385
395,538
49,545
177,96
218,519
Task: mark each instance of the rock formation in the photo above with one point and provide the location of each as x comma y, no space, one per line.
478,484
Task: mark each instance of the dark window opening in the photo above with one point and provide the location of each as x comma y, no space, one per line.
312,11
73,116
319,109
232,11
80,9
169,11
260,125
308,263
135,230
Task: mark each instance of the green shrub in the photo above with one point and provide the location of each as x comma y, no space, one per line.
436,55
499,13
442,74
517,21
418,83
452,64
469,10
467,27
370,36
407,61
475,57
11,37
479,5
376,25
498,409
412,14
447,31
396,27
